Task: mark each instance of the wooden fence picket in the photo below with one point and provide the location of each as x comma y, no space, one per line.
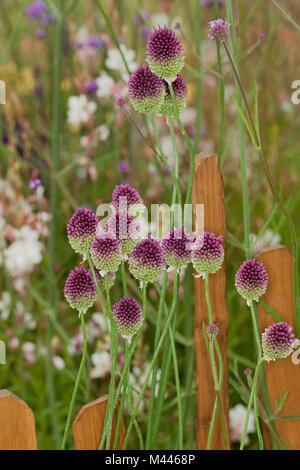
88,425
282,375
208,189
17,424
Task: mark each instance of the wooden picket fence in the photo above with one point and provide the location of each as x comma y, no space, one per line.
17,422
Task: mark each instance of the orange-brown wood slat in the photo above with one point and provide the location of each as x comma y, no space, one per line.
208,189
17,425
88,425
281,375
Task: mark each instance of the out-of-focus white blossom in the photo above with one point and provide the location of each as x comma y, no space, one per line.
268,238
102,364
58,362
5,306
24,252
105,85
162,19
237,417
28,351
115,62
80,109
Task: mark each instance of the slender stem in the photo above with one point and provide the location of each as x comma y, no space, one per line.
189,144
256,331
197,29
212,425
75,389
123,271
253,391
122,403
221,90
154,358
177,382
55,152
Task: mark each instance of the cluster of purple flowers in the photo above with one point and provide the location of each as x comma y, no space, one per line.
149,91
37,12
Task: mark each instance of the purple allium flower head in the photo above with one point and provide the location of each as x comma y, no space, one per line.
146,262
165,55
125,228
146,90
36,10
127,198
82,229
278,341
34,183
207,253
91,86
128,316
96,42
101,279
80,290
180,92
219,29
176,247
251,280
106,252
212,331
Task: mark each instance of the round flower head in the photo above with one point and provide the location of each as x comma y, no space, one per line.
106,252
207,253
146,90
176,247
125,228
251,280
128,316
82,229
80,290
278,341
126,198
219,29
180,92
101,280
165,55
146,262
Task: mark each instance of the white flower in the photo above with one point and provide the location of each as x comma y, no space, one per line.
105,85
237,417
114,60
102,362
103,133
98,318
268,238
80,109
28,350
24,253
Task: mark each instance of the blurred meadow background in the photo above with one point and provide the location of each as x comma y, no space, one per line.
65,143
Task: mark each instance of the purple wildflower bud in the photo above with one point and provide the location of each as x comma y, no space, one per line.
34,183
128,316
80,290
82,229
208,253
144,32
123,167
176,247
35,10
91,87
251,280
212,331
180,92
219,29
137,19
278,341
125,228
165,54
146,262
127,198
106,252
146,90
248,371
95,41
210,3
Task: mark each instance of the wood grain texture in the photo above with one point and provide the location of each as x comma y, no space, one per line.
281,375
208,189
88,425
17,425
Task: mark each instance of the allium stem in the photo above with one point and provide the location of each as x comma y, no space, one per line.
212,425
75,389
221,90
178,390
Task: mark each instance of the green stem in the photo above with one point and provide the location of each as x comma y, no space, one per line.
155,368
197,29
123,271
122,403
212,425
177,382
75,389
154,358
221,90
